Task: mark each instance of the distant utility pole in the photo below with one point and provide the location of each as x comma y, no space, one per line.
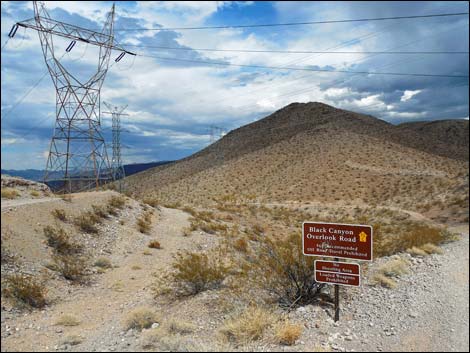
116,162
216,133
77,155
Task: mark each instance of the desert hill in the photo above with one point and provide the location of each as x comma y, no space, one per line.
315,152
451,133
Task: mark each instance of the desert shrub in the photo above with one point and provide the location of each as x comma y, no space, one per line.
25,290
385,273
140,319
153,202
288,333
282,270
384,281
34,193
144,222
431,249
72,340
241,245
160,339
100,211
117,202
72,268
58,239
154,245
59,214
250,325
67,320
103,262
196,272
9,193
87,222
413,235
415,251
394,268
179,327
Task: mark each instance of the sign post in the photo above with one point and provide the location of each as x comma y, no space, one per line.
337,240
336,296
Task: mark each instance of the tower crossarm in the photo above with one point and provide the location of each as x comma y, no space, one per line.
72,32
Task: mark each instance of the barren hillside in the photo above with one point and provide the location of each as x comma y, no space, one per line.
314,152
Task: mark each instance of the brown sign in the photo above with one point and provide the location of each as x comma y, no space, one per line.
338,267
337,278
346,241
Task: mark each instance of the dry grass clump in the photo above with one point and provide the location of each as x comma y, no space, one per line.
87,222
72,268
140,319
59,214
100,211
154,245
179,327
67,320
58,239
392,269
72,340
249,326
25,290
282,270
196,272
209,227
103,262
34,193
288,333
9,193
144,222
172,205
164,341
241,245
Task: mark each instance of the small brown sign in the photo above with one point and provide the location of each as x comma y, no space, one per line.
346,241
337,278
338,267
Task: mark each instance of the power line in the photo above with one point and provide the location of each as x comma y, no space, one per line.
303,68
296,51
294,23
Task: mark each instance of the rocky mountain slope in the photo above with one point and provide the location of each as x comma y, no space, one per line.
314,152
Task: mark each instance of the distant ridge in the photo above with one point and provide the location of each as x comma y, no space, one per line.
37,174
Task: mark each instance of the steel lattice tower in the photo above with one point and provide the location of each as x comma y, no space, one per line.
116,162
77,155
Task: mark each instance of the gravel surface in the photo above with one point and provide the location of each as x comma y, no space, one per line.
428,311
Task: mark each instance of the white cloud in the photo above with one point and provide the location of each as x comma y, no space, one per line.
407,95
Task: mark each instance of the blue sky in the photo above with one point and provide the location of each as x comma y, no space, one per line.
172,104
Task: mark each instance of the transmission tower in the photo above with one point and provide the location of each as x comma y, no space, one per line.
216,133
116,162
77,155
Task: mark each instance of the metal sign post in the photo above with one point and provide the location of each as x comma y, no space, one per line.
336,302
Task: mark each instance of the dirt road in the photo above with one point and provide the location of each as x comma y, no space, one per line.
21,202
